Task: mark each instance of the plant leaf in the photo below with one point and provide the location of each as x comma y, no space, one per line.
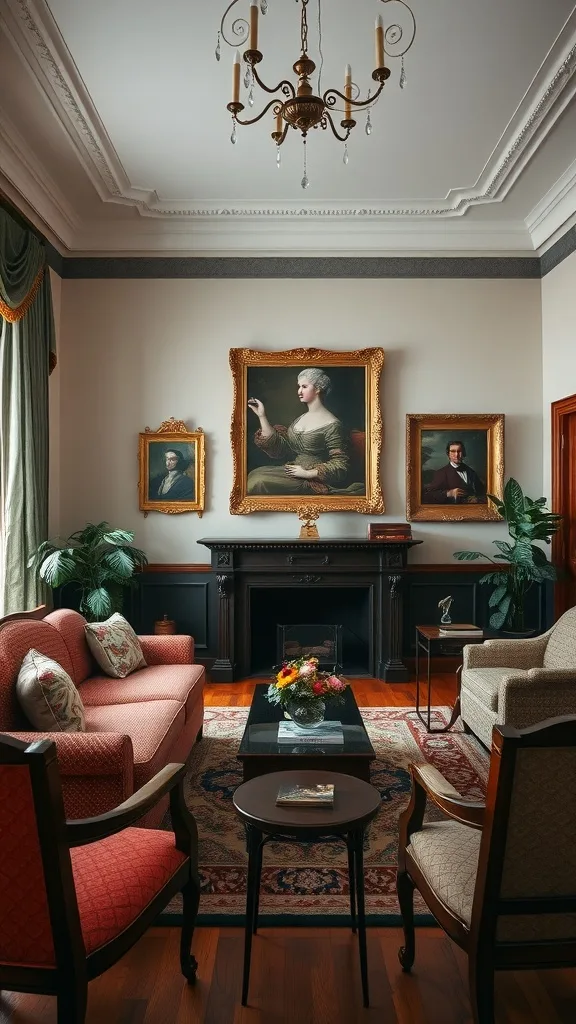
469,556
98,603
497,595
119,563
116,537
57,568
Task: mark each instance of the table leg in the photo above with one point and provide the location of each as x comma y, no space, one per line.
254,838
352,880
428,682
359,860
417,666
456,709
259,851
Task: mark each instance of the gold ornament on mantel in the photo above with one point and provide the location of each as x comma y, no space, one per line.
307,514
177,481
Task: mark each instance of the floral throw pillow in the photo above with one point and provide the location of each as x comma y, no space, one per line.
115,646
48,696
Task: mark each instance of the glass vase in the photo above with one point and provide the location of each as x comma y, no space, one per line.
307,714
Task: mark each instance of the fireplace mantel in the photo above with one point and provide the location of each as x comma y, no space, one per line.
241,565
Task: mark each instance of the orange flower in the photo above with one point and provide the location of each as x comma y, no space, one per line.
286,676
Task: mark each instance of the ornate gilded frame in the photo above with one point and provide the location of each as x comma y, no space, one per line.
372,502
177,432
416,423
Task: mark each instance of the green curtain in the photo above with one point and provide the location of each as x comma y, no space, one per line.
27,354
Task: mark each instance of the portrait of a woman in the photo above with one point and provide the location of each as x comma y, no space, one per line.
313,455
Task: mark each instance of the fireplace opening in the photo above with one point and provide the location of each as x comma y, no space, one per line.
346,607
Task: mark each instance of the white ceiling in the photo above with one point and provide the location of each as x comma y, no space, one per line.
114,129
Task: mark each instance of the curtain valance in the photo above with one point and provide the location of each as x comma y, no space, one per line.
23,274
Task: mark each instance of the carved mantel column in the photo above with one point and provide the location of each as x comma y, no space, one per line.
395,670
223,667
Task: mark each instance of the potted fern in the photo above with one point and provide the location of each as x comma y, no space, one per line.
529,520
100,560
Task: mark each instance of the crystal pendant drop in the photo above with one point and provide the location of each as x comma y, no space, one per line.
305,182
263,6
247,77
402,76
278,157
368,128
233,137
345,158
217,50
251,96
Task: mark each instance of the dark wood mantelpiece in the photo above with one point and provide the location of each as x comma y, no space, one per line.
240,565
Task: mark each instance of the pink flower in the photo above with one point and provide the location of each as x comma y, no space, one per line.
317,687
307,669
335,684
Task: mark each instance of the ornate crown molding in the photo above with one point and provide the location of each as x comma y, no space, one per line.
33,31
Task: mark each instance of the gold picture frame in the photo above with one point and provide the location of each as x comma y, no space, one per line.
440,484
351,432
172,469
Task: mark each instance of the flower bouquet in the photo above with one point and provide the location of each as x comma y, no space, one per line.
302,690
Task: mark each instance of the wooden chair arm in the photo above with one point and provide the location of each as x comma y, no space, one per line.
446,797
82,831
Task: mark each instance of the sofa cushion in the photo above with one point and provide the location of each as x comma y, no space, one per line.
155,682
153,727
484,683
70,625
16,639
561,647
48,696
115,646
447,854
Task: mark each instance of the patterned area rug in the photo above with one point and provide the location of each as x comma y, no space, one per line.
308,883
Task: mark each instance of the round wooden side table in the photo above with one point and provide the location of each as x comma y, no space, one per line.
355,804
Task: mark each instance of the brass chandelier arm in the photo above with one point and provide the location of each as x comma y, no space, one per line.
341,138
239,26
285,85
329,98
253,120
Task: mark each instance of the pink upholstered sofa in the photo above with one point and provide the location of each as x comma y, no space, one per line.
134,726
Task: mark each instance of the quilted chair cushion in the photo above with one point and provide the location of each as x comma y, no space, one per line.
561,647
156,682
70,625
16,639
118,877
447,854
25,933
484,683
115,646
48,696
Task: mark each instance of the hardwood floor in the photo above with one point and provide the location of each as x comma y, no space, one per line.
305,975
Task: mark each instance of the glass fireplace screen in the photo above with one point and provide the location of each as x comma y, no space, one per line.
306,639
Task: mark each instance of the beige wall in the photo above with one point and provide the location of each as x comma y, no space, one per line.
54,416
558,346
135,352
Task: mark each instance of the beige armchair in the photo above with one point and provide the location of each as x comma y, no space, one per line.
519,682
500,878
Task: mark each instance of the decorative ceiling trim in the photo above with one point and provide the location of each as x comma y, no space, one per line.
558,252
36,33
554,209
20,167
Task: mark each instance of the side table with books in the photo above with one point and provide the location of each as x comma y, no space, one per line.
445,639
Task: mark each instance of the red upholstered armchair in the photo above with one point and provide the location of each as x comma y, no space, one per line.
76,895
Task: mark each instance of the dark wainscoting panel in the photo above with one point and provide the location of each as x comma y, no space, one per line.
184,593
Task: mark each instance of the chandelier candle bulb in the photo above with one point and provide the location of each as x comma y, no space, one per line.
348,92
379,42
254,24
236,78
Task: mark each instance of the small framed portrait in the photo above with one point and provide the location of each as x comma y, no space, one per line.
172,469
453,462
306,430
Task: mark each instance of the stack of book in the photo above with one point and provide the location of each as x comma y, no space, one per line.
319,795
389,531
459,629
328,732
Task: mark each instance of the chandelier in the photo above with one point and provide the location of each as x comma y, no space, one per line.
298,106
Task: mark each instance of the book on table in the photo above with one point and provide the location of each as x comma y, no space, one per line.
327,732
319,795
459,629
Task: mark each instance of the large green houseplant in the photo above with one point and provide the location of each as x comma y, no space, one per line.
100,560
526,563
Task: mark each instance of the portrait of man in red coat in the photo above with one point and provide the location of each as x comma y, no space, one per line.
456,483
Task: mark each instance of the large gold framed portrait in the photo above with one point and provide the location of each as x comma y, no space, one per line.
453,462
306,430
172,469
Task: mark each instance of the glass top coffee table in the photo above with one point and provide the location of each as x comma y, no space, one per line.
261,753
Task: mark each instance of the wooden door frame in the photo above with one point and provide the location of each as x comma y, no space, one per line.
560,411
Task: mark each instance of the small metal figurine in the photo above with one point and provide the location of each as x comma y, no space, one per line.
444,604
